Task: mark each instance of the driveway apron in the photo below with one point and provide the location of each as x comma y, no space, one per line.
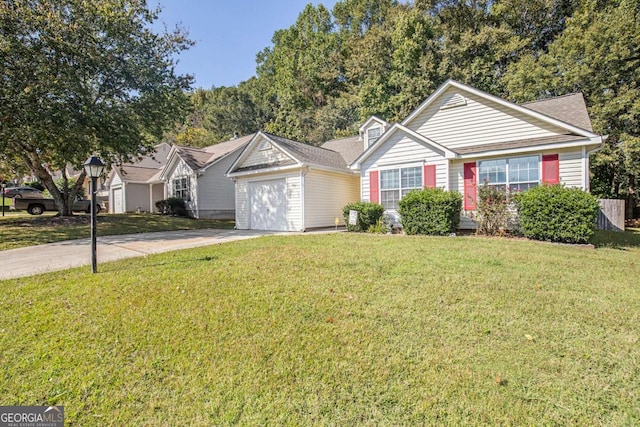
39,259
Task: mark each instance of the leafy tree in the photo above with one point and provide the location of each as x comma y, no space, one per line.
598,54
81,77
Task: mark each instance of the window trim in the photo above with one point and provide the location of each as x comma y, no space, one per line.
186,188
507,184
400,189
375,139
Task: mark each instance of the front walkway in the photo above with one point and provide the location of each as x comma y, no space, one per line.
33,260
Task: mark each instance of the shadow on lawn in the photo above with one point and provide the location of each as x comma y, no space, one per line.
617,240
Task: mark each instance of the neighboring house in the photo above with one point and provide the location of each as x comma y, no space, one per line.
137,186
460,137
286,185
198,176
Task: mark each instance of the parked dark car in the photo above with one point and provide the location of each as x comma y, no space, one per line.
22,192
36,206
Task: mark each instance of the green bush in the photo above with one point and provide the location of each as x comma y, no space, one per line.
493,212
430,211
557,214
368,215
380,227
173,206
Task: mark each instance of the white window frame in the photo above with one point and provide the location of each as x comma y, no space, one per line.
401,190
181,188
511,185
371,140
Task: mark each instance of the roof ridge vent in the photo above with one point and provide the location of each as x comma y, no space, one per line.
452,101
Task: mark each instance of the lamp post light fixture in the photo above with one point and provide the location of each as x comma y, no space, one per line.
94,167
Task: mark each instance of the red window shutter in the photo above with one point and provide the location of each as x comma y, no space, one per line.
374,195
550,169
470,186
430,176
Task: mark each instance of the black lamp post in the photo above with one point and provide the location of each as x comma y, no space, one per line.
3,187
94,167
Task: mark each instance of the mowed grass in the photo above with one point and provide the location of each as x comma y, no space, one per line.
21,231
337,329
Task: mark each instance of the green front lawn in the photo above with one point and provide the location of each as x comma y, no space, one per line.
20,231
336,329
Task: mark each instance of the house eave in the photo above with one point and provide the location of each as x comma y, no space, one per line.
264,170
535,148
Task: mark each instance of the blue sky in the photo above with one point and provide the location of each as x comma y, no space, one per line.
228,34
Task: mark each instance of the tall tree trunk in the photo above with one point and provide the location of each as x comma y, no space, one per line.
64,202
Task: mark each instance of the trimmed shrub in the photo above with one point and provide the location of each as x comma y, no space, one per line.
173,206
368,215
557,214
431,211
493,213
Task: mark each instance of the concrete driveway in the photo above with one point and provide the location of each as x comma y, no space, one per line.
33,260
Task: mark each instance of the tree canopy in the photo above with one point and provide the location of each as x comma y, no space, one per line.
81,77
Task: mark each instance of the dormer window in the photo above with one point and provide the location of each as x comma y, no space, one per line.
372,135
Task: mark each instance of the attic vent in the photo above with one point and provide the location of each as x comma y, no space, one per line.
455,100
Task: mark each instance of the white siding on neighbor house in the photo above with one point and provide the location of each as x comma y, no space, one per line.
325,195
478,122
181,169
264,153
216,192
137,197
401,150
116,179
294,202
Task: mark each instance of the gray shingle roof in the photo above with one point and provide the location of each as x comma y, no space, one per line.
349,148
134,173
569,108
310,154
522,143
200,158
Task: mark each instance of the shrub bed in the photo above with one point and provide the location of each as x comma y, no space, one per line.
557,214
431,211
368,215
172,206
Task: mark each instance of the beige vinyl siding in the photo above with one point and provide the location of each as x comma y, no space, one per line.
571,168
294,202
400,150
137,198
478,122
216,192
325,195
264,153
242,204
157,194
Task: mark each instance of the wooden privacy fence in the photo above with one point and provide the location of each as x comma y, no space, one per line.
611,215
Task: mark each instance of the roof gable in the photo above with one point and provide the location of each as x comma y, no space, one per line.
458,100
267,151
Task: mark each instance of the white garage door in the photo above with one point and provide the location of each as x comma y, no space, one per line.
269,205
117,200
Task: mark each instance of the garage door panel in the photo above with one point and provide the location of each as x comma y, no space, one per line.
268,205
117,201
